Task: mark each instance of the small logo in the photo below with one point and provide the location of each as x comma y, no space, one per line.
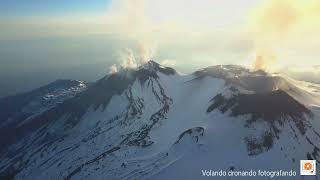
307,167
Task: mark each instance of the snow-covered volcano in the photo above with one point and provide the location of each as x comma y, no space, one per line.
155,123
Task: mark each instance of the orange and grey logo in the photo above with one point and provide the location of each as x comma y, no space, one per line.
307,167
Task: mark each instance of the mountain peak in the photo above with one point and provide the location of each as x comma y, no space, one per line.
152,66
228,71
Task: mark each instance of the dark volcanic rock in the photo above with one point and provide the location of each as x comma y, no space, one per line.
150,70
275,108
221,71
194,132
271,106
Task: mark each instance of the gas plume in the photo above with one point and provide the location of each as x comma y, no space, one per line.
275,23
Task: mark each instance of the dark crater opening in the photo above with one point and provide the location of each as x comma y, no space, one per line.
274,107
270,106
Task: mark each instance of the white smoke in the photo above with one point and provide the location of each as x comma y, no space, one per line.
282,24
113,69
146,51
128,59
132,23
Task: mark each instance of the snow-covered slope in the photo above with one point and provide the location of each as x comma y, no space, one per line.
154,123
19,109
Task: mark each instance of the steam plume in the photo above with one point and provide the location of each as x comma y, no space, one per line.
274,24
113,69
274,20
134,25
128,59
263,59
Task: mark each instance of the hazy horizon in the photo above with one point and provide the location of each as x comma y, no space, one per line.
44,41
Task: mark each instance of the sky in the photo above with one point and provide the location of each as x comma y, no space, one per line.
42,40
66,28
52,7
